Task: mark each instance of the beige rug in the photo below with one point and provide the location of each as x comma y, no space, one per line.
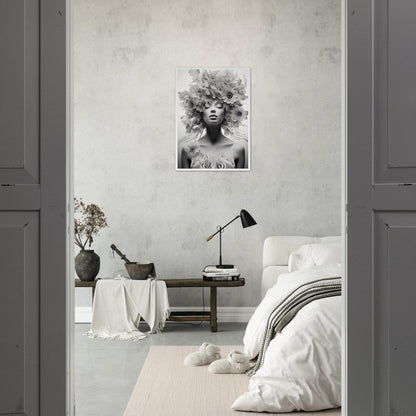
167,387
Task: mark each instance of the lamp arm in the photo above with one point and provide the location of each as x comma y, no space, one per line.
221,228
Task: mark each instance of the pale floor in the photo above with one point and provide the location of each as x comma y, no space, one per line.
106,371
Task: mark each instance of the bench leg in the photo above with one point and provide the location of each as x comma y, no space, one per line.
213,309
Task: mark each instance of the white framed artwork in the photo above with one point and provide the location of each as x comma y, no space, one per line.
212,119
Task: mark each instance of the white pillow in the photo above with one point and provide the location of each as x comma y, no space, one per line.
301,258
310,255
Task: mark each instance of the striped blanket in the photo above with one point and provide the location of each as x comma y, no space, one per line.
285,310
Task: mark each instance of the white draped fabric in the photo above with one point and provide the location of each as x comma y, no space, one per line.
120,303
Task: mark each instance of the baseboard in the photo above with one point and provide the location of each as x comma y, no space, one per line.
224,314
83,314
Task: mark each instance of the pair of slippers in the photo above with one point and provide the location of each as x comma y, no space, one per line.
236,363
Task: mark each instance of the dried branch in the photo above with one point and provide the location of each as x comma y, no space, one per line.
88,221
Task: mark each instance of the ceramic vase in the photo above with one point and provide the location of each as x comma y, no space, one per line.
87,265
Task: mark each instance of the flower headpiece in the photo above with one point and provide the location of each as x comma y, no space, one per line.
206,86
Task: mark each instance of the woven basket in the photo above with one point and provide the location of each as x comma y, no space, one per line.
140,271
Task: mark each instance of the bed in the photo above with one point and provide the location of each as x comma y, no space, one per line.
295,332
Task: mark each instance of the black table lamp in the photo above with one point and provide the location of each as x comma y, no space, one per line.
246,221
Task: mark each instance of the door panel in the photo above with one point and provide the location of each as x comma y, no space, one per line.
394,92
381,205
19,304
19,86
401,83
395,309
33,208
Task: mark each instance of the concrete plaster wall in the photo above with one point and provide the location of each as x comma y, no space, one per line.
125,55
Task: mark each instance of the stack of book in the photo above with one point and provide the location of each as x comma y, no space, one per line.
217,273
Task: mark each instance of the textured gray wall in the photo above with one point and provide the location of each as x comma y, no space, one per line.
126,53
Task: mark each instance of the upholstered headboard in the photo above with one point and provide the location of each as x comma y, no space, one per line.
276,253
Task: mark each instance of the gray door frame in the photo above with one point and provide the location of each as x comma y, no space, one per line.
70,259
55,173
358,289
343,202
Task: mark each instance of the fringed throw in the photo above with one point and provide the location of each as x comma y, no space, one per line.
120,303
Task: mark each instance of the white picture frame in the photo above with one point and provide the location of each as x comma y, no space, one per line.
196,150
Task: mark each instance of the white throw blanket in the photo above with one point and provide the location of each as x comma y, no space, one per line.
119,303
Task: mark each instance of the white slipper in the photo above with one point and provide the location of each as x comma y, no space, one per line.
236,363
206,355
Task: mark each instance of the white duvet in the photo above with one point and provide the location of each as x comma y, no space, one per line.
302,366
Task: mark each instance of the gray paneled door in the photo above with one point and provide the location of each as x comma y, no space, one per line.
381,197
33,208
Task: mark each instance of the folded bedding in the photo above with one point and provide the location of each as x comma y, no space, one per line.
287,309
296,334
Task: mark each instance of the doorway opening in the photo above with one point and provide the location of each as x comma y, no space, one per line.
125,122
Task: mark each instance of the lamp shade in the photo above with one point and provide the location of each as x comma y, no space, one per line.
246,219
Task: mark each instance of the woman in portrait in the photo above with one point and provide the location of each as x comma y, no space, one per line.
213,107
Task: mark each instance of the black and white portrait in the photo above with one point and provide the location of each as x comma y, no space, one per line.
213,118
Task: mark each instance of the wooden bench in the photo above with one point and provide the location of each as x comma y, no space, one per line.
210,315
